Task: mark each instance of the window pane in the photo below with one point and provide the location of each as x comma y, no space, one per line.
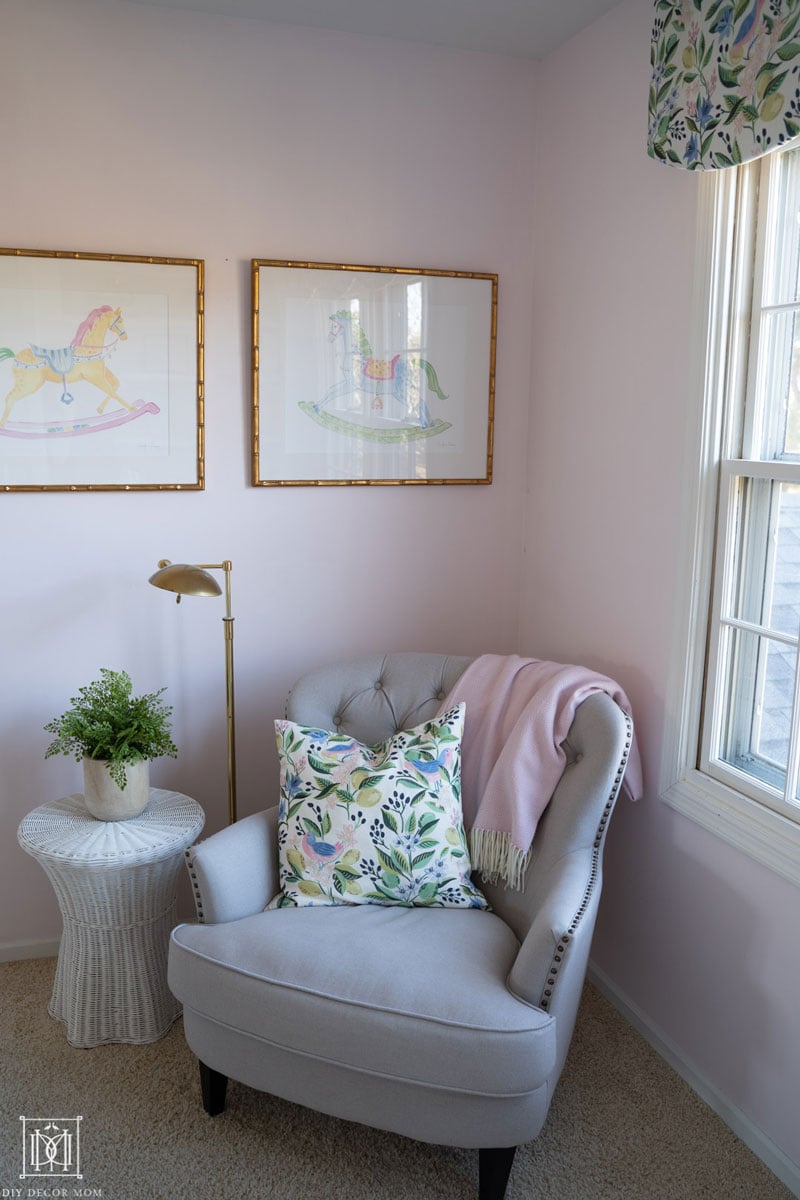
766,583
759,687
785,606
782,271
778,385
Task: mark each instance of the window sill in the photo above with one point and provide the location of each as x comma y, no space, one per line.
764,835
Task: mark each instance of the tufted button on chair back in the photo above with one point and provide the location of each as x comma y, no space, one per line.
373,697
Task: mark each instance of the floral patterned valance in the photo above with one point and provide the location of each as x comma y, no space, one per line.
725,82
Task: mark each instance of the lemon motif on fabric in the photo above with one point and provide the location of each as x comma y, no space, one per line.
373,824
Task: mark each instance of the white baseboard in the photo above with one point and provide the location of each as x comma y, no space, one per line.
771,1155
13,951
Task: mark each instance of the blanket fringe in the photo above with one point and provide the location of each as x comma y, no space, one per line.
493,853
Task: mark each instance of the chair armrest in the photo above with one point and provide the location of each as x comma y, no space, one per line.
557,930
550,966
555,915
234,873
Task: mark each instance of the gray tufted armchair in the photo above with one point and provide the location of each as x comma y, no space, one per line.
465,1044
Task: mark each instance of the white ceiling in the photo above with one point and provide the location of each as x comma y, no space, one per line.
525,28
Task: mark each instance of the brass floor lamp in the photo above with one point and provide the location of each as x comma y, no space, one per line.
193,579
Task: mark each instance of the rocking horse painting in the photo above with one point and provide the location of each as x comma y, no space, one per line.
371,374
83,360
385,399
101,371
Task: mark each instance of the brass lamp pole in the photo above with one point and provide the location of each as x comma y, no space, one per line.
192,579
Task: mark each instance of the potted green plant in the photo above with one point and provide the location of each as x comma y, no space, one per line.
115,734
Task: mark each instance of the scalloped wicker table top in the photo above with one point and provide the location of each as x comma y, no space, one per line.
65,829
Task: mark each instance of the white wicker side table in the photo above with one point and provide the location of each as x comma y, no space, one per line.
116,885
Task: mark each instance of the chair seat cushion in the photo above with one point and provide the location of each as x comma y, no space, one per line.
406,993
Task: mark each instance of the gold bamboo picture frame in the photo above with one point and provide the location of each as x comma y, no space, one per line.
371,375
101,372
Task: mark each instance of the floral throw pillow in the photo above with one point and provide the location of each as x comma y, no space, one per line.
373,824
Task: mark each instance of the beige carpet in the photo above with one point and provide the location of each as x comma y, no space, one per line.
622,1126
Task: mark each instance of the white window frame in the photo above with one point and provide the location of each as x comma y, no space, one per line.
722,302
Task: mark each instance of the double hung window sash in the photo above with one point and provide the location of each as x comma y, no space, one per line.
751,727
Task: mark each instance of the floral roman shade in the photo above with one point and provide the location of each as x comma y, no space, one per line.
725,84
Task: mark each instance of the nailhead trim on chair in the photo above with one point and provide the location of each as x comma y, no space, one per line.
561,948
198,896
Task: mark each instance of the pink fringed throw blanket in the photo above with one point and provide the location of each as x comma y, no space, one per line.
519,711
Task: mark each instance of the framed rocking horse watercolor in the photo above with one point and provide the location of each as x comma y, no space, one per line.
101,372
372,375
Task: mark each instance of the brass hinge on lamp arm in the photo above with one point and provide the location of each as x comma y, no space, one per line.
192,579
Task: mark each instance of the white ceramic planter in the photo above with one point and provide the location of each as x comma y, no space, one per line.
108,802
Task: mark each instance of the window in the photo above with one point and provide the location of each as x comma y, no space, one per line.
739,741
751,726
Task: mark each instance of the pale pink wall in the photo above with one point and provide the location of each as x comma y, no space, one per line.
138,131
701,938
147,132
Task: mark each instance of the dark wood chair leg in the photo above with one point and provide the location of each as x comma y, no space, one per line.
494,1168
213,1086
